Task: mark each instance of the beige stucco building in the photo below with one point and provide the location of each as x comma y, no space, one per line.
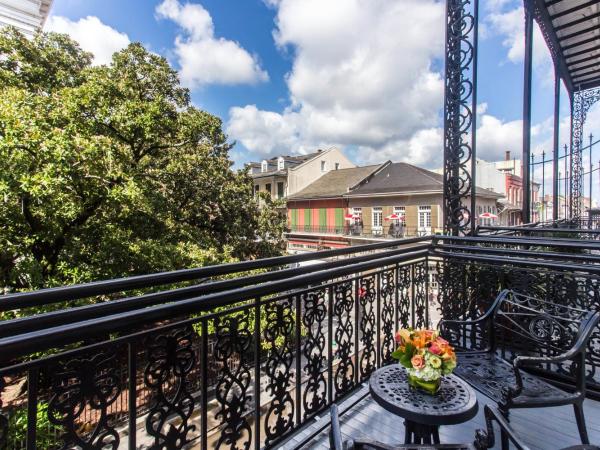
392,200
283,176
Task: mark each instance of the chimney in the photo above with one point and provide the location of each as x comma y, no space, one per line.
507,155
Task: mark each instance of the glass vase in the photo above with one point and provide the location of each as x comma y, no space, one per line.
429,387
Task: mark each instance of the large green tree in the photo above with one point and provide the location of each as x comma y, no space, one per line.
110,171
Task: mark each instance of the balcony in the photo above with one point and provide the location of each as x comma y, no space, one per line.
251,354
365,232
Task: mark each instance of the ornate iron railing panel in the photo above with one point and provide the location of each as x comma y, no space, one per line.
264,358
581,103
459,114
243,375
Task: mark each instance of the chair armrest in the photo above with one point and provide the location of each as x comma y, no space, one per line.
525,361
484,439
484,317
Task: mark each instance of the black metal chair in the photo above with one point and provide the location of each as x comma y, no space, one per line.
336,441
549,334
485,439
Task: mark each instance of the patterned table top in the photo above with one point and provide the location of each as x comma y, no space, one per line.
455,402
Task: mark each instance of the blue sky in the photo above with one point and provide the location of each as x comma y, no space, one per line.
289,76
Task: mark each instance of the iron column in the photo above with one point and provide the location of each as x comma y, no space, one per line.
555,145
527,67
591,165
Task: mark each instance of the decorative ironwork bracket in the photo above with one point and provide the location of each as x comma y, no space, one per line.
582,102
459,129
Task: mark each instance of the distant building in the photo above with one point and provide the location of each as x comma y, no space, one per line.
27,15
365,204
505,178
283,176
321,208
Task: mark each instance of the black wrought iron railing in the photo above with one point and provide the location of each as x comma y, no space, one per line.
245,354
354,230
247,359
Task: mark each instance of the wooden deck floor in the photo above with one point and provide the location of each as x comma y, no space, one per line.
542,428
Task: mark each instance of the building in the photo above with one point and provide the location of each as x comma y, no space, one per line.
27,15
365,204
321,208
505,178
283,176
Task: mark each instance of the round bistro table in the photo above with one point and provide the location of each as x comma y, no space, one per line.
454,403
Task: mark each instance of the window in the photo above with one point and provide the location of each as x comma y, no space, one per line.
400,210
357,212
280,191
268,187
424,216
323,166
264,166
280,163
256,189
337,166
377,219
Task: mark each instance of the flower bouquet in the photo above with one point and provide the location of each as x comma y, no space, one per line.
426,357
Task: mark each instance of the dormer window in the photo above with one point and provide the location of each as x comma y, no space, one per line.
280,163
264,166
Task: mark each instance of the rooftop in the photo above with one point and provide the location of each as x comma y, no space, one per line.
405,178
336,183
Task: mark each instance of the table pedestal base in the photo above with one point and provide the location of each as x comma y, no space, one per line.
417,433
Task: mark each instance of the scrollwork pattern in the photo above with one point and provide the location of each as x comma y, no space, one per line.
366,298
582,102
81,383
388,288
315,313
403,305
233,338
458,117
278,333
342,309
420,299
170,359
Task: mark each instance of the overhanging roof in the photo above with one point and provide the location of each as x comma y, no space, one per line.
571,29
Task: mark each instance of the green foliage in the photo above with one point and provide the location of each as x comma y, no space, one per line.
47,434
110,171
404,356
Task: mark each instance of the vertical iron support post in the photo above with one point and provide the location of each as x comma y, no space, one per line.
459,116
591,166
555,145
527,69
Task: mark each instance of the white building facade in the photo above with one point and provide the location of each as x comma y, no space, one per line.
27,15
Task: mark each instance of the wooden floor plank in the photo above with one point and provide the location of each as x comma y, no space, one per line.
541,428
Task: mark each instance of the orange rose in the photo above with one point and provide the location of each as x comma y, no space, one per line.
418,362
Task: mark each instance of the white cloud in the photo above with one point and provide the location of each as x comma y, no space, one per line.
423,148
510,25
92,35
202,57
355,79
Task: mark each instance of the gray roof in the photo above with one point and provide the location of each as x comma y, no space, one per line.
293,160
405,178
335,183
